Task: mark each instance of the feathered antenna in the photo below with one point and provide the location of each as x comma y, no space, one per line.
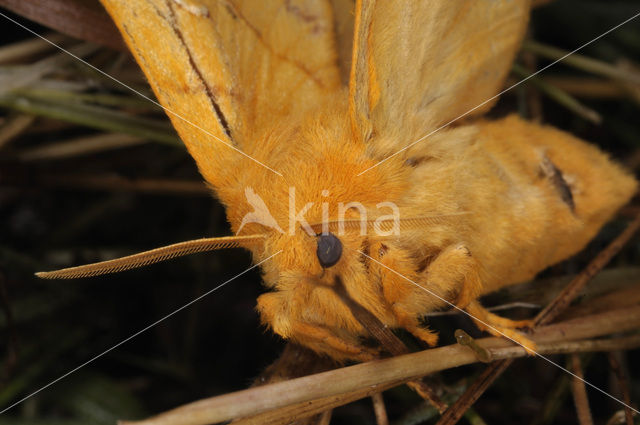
349,224
152,256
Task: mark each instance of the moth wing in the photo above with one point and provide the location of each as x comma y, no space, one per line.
344,13
224,68
419,64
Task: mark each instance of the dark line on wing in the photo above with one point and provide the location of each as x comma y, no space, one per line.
557,179
172,20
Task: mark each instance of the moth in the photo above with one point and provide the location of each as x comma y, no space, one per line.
332,133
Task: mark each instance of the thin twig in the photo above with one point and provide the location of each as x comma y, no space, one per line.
608,281
593,345
473,417
425,391
313,394
388,340
581,62
533,97
623,384
559,304
295,361
482,382
618,418
633,90
587,87
561,97
562,301
553,401
579,391
379,409
501,307
325,417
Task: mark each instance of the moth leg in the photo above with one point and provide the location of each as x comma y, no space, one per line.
275,311
320,338
501,326
457,266
401,289
496,320
452,278
461,259
411,323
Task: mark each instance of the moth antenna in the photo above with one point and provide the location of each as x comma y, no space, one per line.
152,256
355,223
424,220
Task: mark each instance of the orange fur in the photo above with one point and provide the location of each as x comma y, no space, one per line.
263,77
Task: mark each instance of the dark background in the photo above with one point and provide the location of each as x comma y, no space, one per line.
217,345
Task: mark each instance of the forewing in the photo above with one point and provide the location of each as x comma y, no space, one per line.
344,13
420,64
224,69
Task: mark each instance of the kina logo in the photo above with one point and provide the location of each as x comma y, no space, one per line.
260,213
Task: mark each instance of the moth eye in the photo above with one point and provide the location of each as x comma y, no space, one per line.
329,249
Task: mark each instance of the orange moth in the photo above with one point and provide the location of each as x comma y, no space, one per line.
304,116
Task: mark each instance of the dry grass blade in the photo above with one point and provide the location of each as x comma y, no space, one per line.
325,417
622,383
117,183
562,301
455,412
304,409
389,342
150,257
101,118
13,127
587,87
533,97
559,96
379,409
301,397
80,146
25,49
579,391
17,77
582,62
595,345
371,323
295,361
633,90
557,306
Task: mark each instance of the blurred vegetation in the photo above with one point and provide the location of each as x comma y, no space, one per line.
71,195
